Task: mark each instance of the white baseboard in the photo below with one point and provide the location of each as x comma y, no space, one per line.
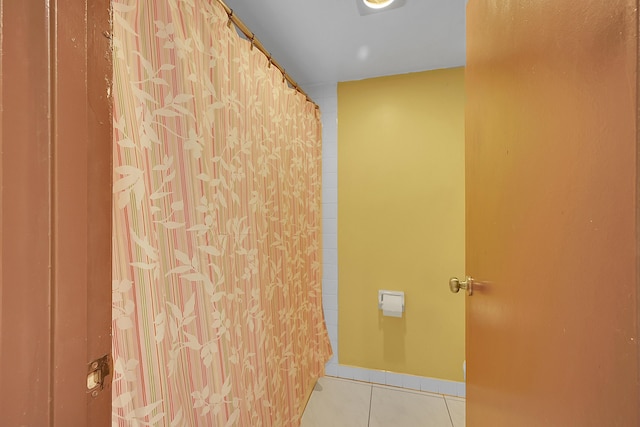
410,382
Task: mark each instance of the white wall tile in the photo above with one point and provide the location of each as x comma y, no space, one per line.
333,336
329,133
330,241
325,103
411,382
345,372
329,195
328,157
329,110
391,378
330,303
330,143
331,317
330,210
330,271
330,226
361,374
319,91
329,150
330,256
330,127
448,387
430,384
462,390
377,377
330,166
329,286
331,369
330,179
326,96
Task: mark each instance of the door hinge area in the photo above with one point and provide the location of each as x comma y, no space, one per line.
99,374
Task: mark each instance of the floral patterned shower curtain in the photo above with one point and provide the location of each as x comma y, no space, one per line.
217,244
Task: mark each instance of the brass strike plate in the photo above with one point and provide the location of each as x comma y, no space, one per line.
97,374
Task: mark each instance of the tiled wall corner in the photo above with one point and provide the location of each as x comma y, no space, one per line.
326,96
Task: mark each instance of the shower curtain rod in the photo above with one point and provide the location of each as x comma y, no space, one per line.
255,42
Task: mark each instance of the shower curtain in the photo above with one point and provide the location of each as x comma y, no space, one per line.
217,312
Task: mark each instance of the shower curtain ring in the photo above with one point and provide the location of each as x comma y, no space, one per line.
230,14
270,61
253,37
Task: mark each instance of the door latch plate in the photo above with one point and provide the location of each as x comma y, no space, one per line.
97,374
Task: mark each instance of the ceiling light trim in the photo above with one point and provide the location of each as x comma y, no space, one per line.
365,10
377,4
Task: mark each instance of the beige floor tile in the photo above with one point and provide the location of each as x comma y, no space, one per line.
391,408
457,411
338,403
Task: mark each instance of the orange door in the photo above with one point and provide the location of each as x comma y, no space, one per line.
55,211
551,152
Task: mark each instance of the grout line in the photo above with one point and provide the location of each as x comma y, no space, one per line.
398,388
448,411
409,390
370,400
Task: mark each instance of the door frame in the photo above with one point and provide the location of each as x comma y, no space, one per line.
55,210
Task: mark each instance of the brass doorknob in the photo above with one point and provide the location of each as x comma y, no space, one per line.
455,285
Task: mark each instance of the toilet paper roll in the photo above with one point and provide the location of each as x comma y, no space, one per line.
392,306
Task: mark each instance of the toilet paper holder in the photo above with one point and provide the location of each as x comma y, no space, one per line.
382,293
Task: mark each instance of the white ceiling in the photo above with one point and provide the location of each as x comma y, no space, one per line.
328,41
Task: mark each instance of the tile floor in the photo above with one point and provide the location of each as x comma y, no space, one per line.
337,402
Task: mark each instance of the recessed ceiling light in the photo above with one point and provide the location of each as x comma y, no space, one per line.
372,7
377,4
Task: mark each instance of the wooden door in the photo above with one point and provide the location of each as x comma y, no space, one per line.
552,198
55,210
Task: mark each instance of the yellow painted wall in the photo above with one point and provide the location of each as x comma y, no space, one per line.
401,221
